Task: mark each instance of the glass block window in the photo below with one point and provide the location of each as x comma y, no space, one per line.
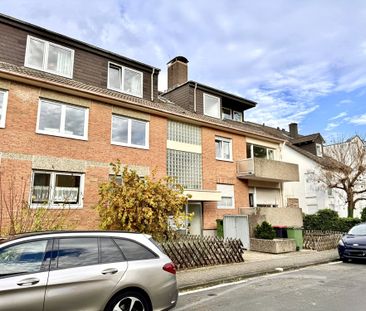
186,167
184,133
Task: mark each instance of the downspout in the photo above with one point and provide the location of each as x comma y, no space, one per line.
195,98
152,84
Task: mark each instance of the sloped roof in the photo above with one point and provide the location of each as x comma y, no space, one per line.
160,104
306,138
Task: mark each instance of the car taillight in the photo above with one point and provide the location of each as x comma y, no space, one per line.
169,267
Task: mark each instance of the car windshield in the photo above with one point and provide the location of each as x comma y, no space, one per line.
358,230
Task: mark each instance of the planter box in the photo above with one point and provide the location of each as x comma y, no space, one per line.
275,246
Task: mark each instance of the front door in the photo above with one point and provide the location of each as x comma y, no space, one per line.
195,224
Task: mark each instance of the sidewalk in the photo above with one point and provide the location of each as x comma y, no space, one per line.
255,264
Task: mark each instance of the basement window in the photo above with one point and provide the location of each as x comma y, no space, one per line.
49,57
126,80
53,189
3,107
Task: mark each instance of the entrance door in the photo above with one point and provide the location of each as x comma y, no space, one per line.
195,227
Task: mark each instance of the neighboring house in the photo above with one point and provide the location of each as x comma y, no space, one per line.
352,152
306,151
68,109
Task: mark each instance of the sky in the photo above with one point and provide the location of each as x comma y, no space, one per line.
302,61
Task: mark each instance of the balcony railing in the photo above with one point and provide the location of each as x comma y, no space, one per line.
267,170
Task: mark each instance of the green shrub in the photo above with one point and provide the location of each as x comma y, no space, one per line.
219,228
264,231
363,215
328,220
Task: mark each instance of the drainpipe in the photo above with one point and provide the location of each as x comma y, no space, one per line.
152,84
186,220
195,98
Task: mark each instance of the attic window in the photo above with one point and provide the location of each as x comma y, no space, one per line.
49,57
211,106
319,150
123,79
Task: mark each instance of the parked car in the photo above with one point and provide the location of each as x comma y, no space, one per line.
353,244
78,270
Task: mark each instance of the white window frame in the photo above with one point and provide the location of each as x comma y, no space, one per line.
238,113
218,115
50,204
227,191
45,57
129,144
267,151
222,113
121,90
319,151
63,118
4,108
221,157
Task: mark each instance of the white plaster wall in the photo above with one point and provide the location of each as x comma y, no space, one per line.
311,194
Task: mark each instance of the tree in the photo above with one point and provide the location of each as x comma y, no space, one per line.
148,205
344,168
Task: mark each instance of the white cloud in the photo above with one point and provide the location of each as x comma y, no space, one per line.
358,120
338,116
346,101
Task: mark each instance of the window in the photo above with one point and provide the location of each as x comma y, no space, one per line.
211,106
319,150
77,252
130,132
22,258
110,252
259,152
57,189
50,57
133,250
185,167
227,196
223,149
3,106
238,116
59,119
125,80
226,113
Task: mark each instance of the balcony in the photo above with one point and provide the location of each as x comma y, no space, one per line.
267,170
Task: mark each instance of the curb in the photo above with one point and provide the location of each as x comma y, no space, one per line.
230,279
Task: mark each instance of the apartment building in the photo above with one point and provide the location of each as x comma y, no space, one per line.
68,109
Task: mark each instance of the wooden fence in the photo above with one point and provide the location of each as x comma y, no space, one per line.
196,251
321,240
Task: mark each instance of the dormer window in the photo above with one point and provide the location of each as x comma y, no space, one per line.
319,150
237,116
226,113
211,106
49,57
126,80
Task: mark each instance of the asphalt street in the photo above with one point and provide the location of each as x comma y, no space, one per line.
334,286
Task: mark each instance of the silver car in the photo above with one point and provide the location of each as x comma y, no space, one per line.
89,271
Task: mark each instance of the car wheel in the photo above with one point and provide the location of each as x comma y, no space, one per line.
344,260
128,301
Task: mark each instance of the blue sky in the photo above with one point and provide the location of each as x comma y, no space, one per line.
302,61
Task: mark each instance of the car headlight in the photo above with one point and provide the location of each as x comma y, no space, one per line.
341,243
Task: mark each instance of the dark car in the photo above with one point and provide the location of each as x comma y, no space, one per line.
353,244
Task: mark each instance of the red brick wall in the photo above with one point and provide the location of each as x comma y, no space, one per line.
216,171
19,136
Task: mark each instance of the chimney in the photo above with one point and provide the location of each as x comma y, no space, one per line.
177,71
293,130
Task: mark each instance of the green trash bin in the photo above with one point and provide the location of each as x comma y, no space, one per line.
296,234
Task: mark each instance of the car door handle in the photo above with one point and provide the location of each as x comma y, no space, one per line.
29,281
110,271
